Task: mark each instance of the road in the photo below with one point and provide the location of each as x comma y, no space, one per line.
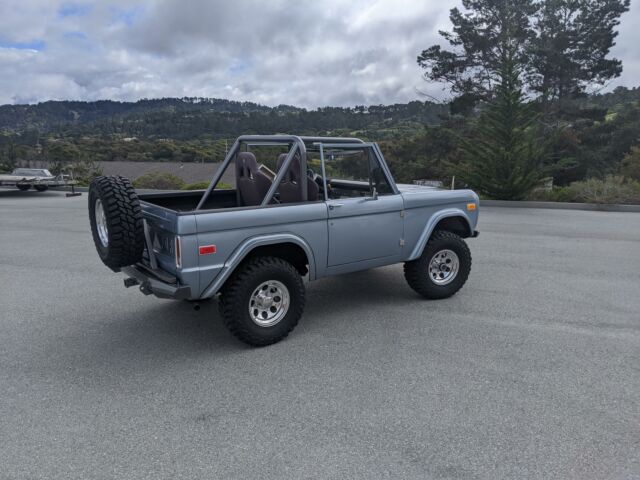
531,371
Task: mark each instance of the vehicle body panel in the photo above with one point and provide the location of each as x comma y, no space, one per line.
233,231
362,229
426,206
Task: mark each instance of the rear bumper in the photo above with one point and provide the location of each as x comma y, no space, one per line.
151,284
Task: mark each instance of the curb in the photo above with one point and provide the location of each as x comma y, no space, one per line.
608,207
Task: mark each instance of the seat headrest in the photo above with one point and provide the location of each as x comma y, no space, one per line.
246,164
294,173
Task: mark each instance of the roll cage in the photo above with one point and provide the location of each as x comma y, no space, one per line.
298,145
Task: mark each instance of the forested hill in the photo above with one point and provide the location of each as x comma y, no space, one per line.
192,118
596,134
47,116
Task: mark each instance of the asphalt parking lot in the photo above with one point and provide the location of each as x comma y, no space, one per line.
531,371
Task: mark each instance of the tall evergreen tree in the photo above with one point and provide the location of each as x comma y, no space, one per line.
502,156
486,32
561,47
569,52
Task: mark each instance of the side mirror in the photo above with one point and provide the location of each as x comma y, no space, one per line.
374,195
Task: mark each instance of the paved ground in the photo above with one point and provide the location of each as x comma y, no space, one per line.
531,371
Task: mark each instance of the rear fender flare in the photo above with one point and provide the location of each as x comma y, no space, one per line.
241,252
430,226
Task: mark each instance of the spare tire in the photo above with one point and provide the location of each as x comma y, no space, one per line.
116,221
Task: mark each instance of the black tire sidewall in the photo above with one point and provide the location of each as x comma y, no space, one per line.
282,326
103,252
124,221
236,298
417,271
459,248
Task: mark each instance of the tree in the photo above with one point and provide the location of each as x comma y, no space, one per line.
425,155
561,47
502,157
8,155
570,49
481,37
61,153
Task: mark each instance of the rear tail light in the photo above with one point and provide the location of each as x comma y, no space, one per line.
178,250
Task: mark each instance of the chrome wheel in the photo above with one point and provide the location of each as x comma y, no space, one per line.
443,267
101,223
269,303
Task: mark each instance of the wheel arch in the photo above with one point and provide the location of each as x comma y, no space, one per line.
451,219
287,246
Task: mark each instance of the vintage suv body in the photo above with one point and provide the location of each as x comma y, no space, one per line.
252,243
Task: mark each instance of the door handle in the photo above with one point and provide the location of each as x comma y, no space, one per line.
335,205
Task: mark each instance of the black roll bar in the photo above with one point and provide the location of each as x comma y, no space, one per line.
297,146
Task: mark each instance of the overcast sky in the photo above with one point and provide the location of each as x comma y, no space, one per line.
315,53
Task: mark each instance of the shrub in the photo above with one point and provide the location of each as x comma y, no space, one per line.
557,194
613,189
84,171
159,181
630,167
196,186
205,185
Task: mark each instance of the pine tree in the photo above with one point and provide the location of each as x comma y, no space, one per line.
570,51
502,156
561,46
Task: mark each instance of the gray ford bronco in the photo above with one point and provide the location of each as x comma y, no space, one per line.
281,207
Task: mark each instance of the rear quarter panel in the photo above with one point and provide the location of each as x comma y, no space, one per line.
164,225
233,231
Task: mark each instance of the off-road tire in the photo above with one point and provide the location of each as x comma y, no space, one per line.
123,218
236,295
416,272
41,188
23,187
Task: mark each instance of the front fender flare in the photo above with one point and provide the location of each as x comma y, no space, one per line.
431,224
240,253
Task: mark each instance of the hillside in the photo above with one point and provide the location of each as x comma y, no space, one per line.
184,129
593,138
191,118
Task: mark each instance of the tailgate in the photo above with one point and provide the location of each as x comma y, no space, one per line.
161,232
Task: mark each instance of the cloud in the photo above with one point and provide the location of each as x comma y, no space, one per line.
73,9
327,52
34,45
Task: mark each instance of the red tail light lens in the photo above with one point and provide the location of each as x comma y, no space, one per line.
207,249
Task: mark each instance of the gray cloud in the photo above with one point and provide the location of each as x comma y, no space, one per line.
327,52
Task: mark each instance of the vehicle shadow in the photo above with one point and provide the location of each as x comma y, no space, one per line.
177,327
379,286
157,335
